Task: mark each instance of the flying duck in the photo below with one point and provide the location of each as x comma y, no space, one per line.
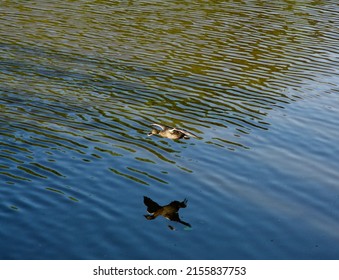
169,211
170,132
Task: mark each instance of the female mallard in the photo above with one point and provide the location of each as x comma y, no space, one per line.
171,132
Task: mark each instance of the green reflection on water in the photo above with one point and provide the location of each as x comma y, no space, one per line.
93,76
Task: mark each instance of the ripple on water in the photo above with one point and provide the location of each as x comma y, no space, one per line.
81,85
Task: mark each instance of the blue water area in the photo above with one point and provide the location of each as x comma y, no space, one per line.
82,84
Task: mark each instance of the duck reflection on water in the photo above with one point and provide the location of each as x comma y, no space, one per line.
171,132
169,211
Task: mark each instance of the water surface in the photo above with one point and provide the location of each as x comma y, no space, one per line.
81,83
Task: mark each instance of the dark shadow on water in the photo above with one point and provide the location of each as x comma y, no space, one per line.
169,211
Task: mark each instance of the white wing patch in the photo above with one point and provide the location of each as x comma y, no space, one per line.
159,125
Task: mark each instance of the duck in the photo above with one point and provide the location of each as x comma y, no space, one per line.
169,211
171,132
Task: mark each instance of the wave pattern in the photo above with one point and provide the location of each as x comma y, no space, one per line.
224,73
81,84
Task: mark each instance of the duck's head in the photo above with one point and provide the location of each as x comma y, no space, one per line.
153,132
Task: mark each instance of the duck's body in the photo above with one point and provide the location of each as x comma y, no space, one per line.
171,132
169,211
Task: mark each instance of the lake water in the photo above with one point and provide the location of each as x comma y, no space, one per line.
81,84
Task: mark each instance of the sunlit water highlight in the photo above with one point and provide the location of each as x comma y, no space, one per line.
81,83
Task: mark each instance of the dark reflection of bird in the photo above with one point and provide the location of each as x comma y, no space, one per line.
169,211
171,132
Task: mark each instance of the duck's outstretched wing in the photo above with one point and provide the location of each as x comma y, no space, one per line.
174,217
184,132
152,206
162,127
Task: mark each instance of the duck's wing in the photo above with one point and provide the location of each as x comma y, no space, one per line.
162,127
184,132
184,223
174,217
152,206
